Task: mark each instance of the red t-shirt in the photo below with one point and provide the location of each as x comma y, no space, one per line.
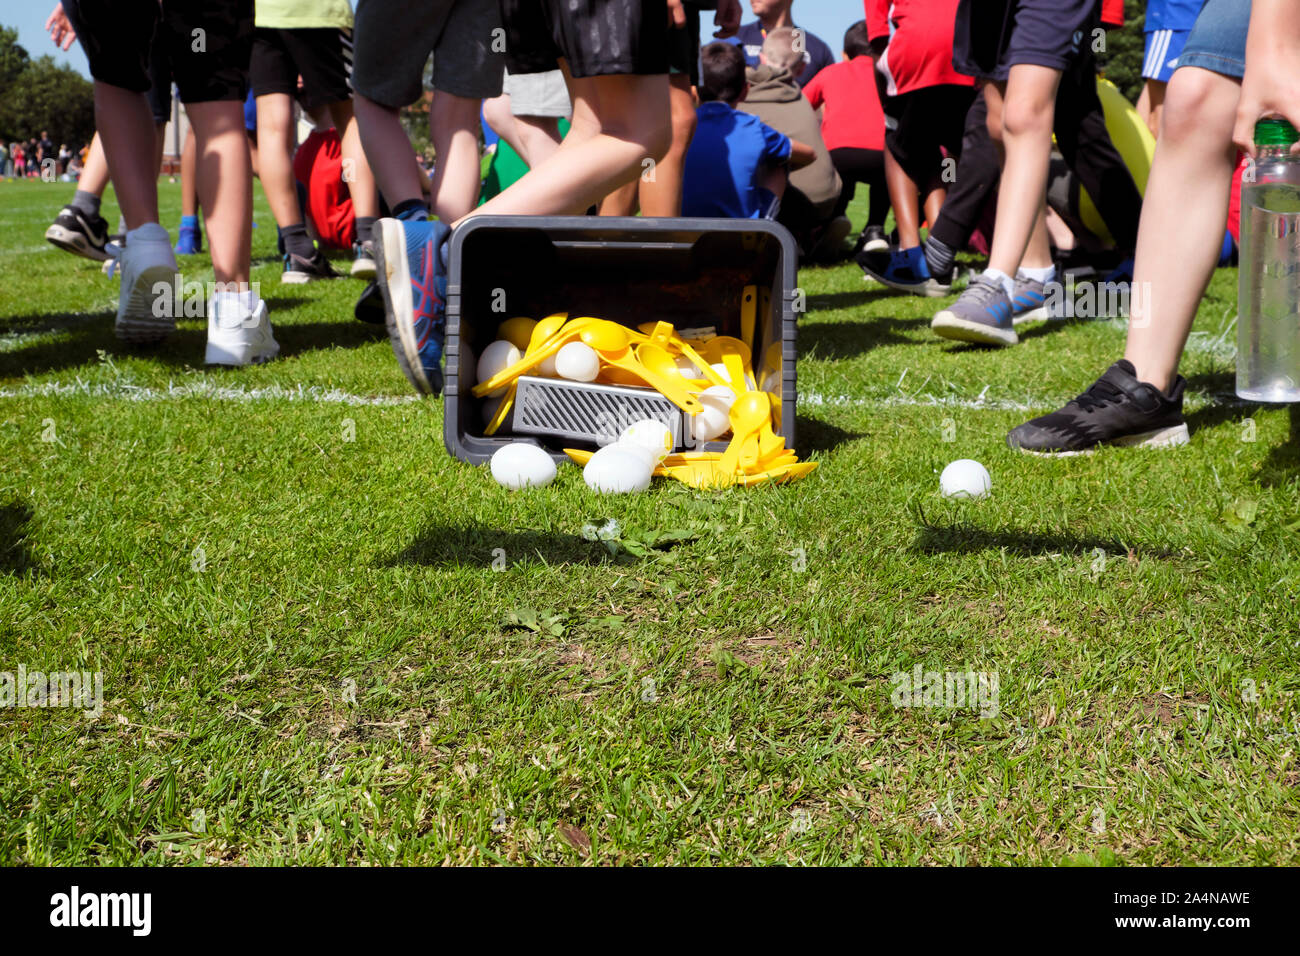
318,165
920,51
851,115
1112,13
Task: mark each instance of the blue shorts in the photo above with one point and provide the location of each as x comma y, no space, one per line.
1162,49
1218,40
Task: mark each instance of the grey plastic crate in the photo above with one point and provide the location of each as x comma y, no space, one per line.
690,272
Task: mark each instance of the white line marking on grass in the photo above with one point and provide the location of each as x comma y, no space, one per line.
203,391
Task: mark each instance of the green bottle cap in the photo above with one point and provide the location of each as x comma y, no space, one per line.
1275,132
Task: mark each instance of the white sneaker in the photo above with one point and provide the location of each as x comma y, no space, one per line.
143,314
238,335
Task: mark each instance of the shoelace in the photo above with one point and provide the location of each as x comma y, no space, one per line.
1098,395
983,289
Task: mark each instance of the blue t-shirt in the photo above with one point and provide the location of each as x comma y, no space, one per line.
1171,14
816,54
727,153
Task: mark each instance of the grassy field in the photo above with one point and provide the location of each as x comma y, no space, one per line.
309,657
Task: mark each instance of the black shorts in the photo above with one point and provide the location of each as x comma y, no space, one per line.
991,36
207,44
322,56
921,121
595,37
684,47
160,78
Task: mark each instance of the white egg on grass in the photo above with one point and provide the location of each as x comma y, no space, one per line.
965,478
577,362
649,434
522,465
615,469
497,357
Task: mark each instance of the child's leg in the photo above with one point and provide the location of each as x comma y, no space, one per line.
454,129
94,175
1026,124
903,197
661,195
225,185
125,125
189,182
388,150
618,121
361,181
275,144
1183,215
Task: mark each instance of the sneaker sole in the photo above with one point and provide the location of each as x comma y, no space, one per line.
1172,437
390,262
220,355
876,245
75,243
300,278
929,289
137,323
1040,314
950,326
363,269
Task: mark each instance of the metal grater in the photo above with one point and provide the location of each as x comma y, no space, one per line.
587,412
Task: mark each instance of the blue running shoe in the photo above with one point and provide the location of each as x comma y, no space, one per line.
413,282
1028,300
906,271
189,241
981,314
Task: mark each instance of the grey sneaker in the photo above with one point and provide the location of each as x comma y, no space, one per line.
1028,300
981,314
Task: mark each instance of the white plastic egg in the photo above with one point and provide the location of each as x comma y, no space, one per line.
522,465
713,420
649,434
617,470
965,478
577,362
496,357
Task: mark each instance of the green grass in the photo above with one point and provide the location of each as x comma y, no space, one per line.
211,542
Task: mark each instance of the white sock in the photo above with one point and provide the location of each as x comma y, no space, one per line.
1045,274
1008,283
234,303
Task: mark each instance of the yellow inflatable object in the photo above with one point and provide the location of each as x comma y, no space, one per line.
1136,146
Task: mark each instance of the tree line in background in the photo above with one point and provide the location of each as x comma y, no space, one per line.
39,94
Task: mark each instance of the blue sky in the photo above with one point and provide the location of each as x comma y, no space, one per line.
828,19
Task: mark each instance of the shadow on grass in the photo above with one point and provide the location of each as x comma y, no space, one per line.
812,435
15,556
1282,466
844,340
86,336
968,539
474,546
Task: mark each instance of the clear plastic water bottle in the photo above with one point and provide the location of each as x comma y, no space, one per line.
1268,282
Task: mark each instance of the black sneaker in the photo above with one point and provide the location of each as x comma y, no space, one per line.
1116,409
298,270
370,305
73,231
872,240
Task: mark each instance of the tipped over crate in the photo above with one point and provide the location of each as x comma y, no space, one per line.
689,272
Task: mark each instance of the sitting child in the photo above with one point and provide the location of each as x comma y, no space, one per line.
750,183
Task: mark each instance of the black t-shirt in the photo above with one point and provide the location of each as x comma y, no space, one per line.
47,149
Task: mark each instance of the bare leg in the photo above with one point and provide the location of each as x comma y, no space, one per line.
275,142
189,186
1038,254
1183,217
225,185
903,196
94,175
361,181
1026,116
125,123
539,136
388,150
454,129
617,122
661,195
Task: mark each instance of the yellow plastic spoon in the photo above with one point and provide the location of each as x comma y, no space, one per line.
613,343
542,331
749,412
